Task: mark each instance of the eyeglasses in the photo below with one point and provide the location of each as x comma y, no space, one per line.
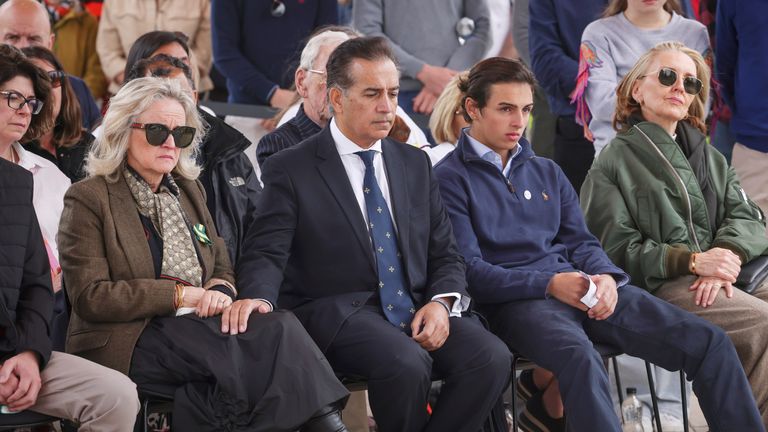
278,8
321,73
157,134
17,101
56,78
668,78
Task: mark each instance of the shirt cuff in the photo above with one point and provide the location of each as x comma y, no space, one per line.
621,279
460,304
271,93
271,306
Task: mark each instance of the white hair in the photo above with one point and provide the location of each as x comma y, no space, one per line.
309,54
109,150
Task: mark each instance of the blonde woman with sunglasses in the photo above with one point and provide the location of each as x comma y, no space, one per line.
669,210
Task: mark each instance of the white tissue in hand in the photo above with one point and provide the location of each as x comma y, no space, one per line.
589,298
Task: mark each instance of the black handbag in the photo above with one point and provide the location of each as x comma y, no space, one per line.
753,274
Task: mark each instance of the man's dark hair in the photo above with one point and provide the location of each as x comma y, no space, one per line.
491,71
150,42
160,66
364,48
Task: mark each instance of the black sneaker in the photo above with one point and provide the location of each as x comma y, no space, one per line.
525,387
534,417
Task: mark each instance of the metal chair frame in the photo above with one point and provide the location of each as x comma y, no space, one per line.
520,363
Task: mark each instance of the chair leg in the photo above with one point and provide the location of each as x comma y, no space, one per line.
145,415
684,400
654,400
618,379
514,396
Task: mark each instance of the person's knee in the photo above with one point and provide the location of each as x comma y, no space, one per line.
121,391
494,357
407,363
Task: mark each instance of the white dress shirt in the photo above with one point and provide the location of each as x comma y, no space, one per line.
50,184
355,169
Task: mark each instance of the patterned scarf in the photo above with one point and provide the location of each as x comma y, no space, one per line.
180,260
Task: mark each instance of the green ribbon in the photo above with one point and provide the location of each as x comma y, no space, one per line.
202,236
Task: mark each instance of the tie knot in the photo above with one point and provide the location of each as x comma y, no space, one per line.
367,157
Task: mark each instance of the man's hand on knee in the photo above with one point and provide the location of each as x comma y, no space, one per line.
430,326
569,288
607,295
234,319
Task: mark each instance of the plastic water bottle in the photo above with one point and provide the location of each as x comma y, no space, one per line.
632,412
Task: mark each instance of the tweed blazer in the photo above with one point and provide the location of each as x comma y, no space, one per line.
108,270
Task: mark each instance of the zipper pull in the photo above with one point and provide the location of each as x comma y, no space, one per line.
510,187
746,200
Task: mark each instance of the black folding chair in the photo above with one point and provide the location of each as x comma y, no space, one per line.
608,353
24,419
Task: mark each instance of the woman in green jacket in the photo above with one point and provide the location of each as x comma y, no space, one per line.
669,210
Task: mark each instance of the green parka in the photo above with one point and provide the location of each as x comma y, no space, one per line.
642,200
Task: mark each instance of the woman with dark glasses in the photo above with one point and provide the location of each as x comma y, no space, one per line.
66,142
148,278
610,47
669,210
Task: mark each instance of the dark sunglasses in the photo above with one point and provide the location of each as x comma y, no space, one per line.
157,134
56,78
668,78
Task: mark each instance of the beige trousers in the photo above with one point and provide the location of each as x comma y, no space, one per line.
744,318
95,397
751,167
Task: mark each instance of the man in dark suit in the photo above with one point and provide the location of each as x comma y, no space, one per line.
351,234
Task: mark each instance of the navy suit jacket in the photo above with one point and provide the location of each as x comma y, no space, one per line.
309,250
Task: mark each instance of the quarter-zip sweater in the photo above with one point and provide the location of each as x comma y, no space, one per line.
516,231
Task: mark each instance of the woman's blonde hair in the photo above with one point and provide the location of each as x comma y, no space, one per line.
447,106
134,98
616,7
626,105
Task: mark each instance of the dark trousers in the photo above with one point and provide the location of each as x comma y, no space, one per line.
270,378
572,151
559,338
474,364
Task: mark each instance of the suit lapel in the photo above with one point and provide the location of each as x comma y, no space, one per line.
130,231
335,176
397,177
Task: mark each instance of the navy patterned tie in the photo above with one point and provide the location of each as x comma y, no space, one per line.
395,298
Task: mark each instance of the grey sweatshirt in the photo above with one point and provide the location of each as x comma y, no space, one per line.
617,44
424,31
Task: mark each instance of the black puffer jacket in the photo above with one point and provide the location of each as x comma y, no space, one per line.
26,296
230,182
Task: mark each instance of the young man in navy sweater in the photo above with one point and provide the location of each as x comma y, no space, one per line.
545,284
